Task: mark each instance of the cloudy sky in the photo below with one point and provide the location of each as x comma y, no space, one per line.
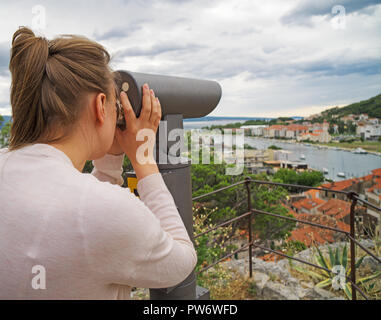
272,58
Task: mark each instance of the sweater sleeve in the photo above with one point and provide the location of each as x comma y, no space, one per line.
137,243
109,168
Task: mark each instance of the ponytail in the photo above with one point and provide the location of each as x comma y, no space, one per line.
49,81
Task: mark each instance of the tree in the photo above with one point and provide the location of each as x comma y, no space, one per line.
287,176
209,177
351,127
341,127
284,119
269,199
311,179
273,147
305,178
4,136
232,202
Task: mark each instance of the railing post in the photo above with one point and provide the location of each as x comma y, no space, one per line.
353,254
247,183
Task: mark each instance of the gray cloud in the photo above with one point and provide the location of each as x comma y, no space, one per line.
266,68
116,33
244,31
157,49
326,68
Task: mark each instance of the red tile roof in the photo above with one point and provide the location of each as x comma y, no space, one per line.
297,127
336,208
307,203
376,186
343,226
277,127
290,211
369,177
312,134
340,185
309,234
312,193
377,172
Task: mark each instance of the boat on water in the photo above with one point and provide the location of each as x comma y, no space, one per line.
341,174
325,170
359,151
302,157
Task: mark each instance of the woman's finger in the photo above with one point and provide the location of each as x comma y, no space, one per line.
146,107
154,105
157,118
159,107
129,114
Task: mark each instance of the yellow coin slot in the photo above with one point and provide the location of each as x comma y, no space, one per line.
132,183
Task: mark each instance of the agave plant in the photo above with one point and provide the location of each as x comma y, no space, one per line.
336,258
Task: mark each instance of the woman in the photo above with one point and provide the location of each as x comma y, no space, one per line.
69,235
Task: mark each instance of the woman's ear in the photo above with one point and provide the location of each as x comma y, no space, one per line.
99,104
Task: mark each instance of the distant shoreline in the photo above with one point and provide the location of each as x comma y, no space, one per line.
211,118
334,147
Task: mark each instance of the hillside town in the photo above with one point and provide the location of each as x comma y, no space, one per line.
366,128
321,207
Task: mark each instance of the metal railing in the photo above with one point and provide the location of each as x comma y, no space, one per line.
352,196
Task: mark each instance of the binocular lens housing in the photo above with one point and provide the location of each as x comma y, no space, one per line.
192,98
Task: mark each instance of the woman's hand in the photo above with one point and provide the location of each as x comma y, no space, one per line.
149,119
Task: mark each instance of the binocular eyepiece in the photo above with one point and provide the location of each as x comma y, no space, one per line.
191,98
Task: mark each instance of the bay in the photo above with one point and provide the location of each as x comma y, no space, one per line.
335,161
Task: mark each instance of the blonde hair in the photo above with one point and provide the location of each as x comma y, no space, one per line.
49,82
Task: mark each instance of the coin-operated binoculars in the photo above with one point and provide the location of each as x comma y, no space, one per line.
180,98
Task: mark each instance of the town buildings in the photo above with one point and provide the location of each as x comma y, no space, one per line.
366,128
369,130
333,209
307,132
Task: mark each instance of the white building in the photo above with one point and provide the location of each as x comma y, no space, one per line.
255,130
321,136
295,130
284,155
374,121
275,131
369,131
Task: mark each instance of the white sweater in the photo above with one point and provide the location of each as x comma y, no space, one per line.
93,238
